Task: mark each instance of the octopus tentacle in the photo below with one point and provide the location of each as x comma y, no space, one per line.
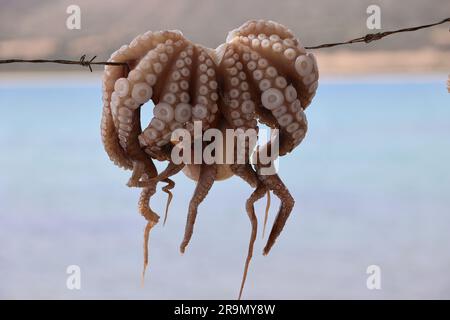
170,170
124,93
136,175
152,219
269,55
204,184
272,58
246,172
171,97
109,135
170,185
111,129
188,94
277,44
147,81
276,185
256,195
238,98
204,89
266,213
151,183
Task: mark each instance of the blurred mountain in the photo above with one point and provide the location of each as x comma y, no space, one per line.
37,29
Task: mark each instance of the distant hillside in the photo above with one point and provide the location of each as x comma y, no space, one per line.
34,28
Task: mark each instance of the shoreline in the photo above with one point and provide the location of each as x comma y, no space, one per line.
88,79
350,62
337,66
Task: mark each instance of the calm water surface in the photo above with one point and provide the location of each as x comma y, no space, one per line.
371,183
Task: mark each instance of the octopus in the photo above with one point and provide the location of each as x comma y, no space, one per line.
261,75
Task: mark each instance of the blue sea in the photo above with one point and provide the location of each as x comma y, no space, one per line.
371,182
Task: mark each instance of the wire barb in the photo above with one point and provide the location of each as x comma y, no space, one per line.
85,63
365,39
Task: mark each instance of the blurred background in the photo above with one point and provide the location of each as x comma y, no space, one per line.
371,179
34,28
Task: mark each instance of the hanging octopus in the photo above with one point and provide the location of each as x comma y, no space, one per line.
262,73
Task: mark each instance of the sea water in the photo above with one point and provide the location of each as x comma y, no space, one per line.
371,182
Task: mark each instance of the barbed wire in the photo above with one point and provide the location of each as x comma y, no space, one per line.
82,62
377,36
370,37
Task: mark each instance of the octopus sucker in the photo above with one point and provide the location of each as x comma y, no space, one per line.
109,135
288,57
267,80
260,75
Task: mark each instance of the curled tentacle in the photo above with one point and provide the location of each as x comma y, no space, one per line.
170,170
109,132
170,185
204,184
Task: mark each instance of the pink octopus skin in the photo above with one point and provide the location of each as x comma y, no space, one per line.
260,74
